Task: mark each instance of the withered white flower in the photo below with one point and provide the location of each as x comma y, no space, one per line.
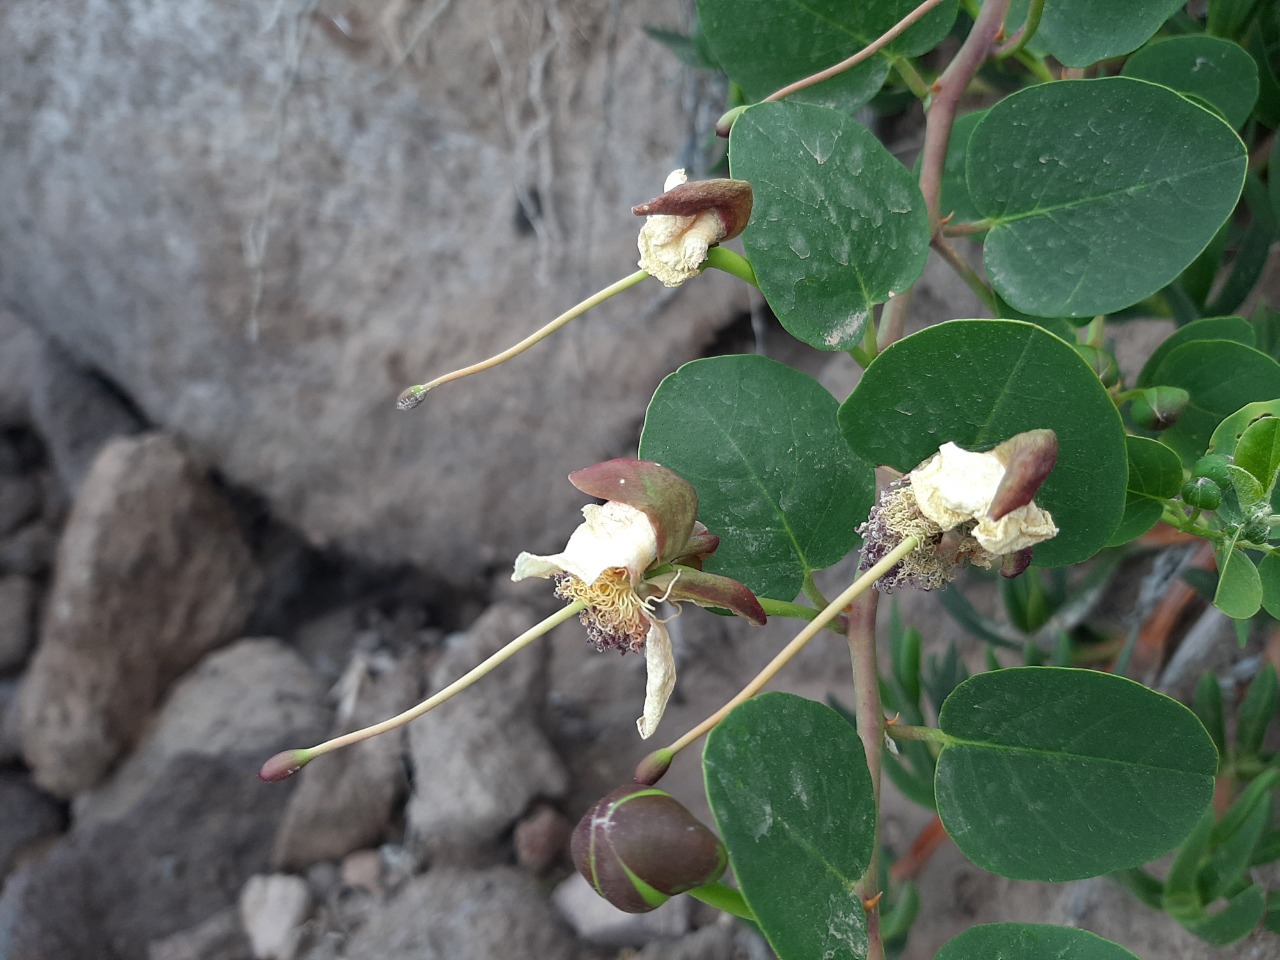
964,507
686,221
641,547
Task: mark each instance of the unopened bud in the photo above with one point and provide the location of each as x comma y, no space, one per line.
1013,565
654,767
411,398
284,765
638,847
1202,493
1159,408
730,200
1215,467
1103,363
725,124
1027,457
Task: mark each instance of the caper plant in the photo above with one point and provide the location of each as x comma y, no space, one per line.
1111,159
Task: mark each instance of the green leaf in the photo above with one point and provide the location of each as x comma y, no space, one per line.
1155,475
1030,941
955,201
1237,329
1201,368
1233,922
1259,451
1081,32
765,45
1269,573
838,224
1257,711
979,382
1228,433
788,784
1085,222
1234,838
1207,704
1059,774
1239,593
760,444
1218,72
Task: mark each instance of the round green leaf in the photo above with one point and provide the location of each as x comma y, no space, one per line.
764,45
977,383
1221,376
1228,433
788,784
1239,593
1259,451
1155,474
1030,941
1269,574
1059,774
1216,71
1210,328
1085,220
1081,32
838,224
775,481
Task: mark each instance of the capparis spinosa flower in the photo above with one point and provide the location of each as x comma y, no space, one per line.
964,507
642,546
686,221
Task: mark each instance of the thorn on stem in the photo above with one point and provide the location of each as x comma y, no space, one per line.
873,902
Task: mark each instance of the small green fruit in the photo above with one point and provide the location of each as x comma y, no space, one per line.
1202,493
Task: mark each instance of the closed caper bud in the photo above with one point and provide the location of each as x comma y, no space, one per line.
1213,467
1256,530
1203,493
1103,363
638,847
1159,408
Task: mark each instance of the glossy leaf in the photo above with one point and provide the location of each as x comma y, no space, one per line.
1269,574
1058,774
1218,72
1228,433
1237,329
838,225
979,382
1030,941
788,784
1155,474
1200,367
1064,170
760,444
1081,32
764,45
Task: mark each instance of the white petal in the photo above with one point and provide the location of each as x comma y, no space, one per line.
673,248
613,535
1024,527
674,179
661,664
956,485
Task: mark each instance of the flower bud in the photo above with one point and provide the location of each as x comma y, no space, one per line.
638,847
729,200
1159,408
1027,457
654,767
1014,565
1202,493
1215,467
1103,363
686,221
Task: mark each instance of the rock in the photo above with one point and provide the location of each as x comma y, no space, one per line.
454,914
268,246
542,839
346,801
20,498
480,761
76,413
272,909
182,855
29,550
152,573
17,610
723,940
362,870
221,937
29,817
17,361
10,745
254,697
599,922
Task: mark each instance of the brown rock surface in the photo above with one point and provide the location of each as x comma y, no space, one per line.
152,573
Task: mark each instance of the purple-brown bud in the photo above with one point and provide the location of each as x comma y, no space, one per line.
638,847
1013,565
654,767
1027,457
730,200
284,765
1158,408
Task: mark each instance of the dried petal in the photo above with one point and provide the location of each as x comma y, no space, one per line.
666,498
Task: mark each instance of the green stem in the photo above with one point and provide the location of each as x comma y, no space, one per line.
911,77
1028,30
720,258
810,590
413,396
723,897
783,608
